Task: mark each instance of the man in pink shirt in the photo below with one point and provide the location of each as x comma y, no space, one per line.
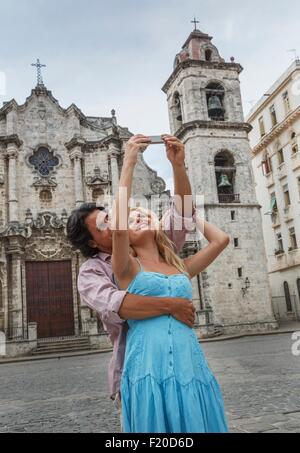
96,283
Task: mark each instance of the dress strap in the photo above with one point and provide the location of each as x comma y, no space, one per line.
141,267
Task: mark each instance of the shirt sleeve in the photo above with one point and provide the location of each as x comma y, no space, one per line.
177,227
100,294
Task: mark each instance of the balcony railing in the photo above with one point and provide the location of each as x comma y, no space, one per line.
229,198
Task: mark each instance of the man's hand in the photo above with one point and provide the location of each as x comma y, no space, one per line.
175,150
136,144
183,310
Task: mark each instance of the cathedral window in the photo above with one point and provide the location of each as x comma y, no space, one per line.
215,101
98,195
46,196
43,161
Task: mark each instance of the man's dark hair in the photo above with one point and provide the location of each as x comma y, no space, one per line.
77,230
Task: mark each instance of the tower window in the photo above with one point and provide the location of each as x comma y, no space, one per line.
233,216
273,115
215,101
225,173
177,108
236,242
240,272
208,54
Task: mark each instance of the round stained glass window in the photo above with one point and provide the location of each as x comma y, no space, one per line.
43,161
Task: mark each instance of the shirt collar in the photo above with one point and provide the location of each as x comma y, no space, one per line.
104,256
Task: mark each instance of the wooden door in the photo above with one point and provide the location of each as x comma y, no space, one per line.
50,297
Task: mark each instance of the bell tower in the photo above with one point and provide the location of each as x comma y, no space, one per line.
205,112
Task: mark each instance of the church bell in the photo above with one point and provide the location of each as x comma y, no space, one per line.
224,181
215,107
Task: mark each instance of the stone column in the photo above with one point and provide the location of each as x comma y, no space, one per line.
76,155
113,154
12,155
15,251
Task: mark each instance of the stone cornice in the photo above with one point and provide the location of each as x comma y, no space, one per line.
11,139
276,131
202,64
224,125
75,142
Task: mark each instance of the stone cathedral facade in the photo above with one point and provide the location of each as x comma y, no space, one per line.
51,160
205,111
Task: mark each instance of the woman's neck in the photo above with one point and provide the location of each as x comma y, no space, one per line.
148,252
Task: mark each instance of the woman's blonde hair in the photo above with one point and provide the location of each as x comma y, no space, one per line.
164,244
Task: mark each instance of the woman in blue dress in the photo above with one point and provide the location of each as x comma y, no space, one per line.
167,385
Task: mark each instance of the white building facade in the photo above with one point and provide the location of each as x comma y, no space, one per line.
275,141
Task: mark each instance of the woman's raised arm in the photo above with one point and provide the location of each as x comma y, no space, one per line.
121,262
218,241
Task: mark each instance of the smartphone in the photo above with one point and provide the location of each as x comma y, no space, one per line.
156,139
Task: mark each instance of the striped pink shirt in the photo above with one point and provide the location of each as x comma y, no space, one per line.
98,290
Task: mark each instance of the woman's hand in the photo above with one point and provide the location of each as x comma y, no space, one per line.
175,150
134,146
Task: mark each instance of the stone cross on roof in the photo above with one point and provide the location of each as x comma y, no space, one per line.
38,66
195,22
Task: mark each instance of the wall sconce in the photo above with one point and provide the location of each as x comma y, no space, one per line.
246,287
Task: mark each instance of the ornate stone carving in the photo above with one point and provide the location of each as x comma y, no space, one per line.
48,248
98,179
44,183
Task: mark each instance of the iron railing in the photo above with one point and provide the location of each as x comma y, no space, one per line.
229,198
17,333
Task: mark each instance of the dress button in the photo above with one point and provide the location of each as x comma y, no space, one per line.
171,363
171,352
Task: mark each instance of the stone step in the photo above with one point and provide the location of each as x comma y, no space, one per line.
62,346
61,350
63,342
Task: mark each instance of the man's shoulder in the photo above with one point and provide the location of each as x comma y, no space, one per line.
94,262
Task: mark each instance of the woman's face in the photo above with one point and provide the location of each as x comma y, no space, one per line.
142,226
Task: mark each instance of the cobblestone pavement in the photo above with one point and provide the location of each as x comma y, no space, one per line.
259,377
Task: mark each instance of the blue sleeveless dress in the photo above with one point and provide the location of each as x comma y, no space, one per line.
167,385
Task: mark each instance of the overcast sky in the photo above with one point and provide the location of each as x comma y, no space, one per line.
118,53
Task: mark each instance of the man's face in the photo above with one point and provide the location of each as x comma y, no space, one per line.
102,239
